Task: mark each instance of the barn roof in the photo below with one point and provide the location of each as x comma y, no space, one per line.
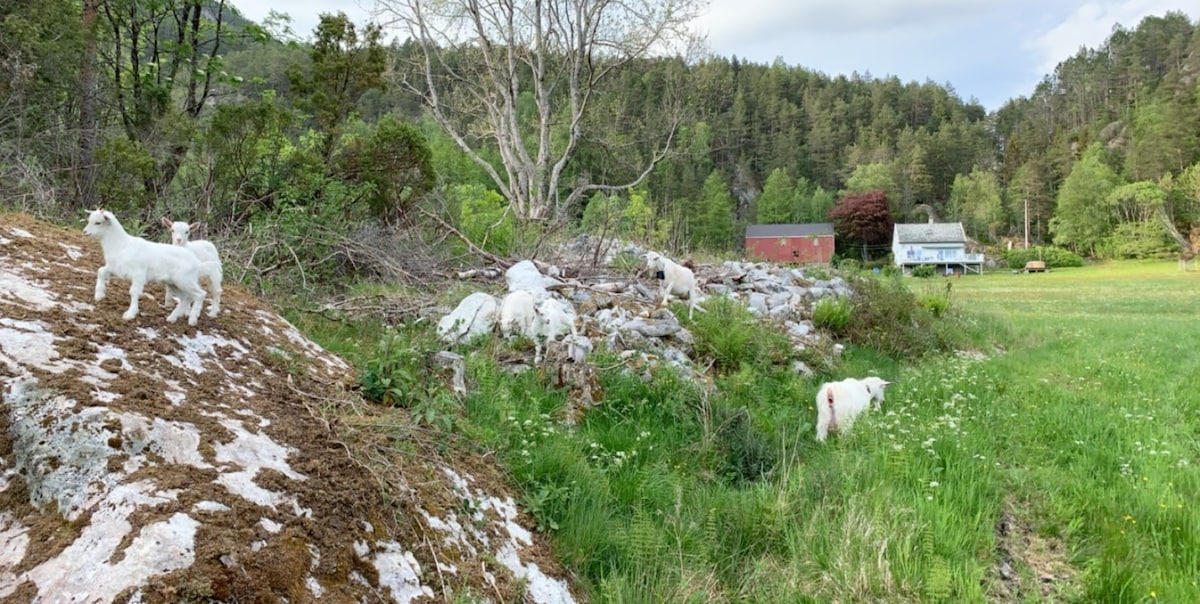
816,229
931,232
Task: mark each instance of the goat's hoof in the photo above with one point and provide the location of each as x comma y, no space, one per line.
129,316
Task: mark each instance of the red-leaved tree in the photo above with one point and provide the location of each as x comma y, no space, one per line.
863,218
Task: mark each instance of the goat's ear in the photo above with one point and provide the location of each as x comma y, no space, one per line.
166,223
195,226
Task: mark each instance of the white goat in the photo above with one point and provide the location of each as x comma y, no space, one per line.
554,319
210,266
517,314
676,279
142,261
840,403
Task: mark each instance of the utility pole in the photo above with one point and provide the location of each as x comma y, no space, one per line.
1026,224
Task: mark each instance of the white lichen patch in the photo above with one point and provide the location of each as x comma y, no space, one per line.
314,586
14,541
270,525
542,588
29,344
294,336
29,294
174,442
73,252
195,349
400,572
211,506
19,232
251,452
83,573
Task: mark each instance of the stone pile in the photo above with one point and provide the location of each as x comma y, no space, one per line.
619,310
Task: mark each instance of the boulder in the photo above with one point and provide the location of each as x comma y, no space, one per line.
476,314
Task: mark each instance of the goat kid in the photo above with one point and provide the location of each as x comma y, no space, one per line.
210,260
553,320
141,261
517,314
676,279
840,403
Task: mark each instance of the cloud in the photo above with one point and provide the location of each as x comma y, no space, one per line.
737,22
1089,26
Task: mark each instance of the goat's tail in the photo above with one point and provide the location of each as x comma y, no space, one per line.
832,414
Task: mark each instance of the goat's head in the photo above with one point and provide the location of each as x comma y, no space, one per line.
654,261
98,221
875,386
179,230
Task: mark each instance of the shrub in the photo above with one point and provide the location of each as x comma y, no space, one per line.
832,313
888,317
849,264
746,452
1139,240
730,335
937,303
628,262
923,271
1054,257
397,374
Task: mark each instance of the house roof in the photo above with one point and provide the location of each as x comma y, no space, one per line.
789,230
931,232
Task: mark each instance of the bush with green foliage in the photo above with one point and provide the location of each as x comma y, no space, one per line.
889,318
832,313
484,217
936,302
1054,257
923,271
731,336
1139,240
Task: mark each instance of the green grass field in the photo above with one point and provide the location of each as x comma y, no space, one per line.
1056,462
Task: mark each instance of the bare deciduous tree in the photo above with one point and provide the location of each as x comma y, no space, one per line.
517,77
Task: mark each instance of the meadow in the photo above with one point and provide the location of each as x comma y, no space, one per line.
1052,457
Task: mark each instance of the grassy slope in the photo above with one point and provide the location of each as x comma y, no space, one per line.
1063,468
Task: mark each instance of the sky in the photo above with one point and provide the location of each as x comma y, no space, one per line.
986,50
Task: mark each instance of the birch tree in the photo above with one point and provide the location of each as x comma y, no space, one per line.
516,79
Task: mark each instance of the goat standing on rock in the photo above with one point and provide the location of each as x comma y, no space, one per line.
142,261
210,260
676,279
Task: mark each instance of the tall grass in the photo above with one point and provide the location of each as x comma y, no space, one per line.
1052,458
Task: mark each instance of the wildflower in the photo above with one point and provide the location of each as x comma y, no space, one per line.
933,484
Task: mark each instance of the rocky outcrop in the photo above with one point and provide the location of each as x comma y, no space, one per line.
143,461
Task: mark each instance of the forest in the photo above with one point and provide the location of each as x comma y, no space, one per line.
306,147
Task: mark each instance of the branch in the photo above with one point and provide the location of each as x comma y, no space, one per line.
490,257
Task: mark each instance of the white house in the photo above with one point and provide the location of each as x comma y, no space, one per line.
940,244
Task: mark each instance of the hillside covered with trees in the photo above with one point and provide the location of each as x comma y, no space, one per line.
183,107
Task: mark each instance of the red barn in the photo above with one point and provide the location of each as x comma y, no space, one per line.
797,243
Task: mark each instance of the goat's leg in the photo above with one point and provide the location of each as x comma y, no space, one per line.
174,293
197,299
136,285
215,278
101,282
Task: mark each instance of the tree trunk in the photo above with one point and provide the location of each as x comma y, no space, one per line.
85,162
